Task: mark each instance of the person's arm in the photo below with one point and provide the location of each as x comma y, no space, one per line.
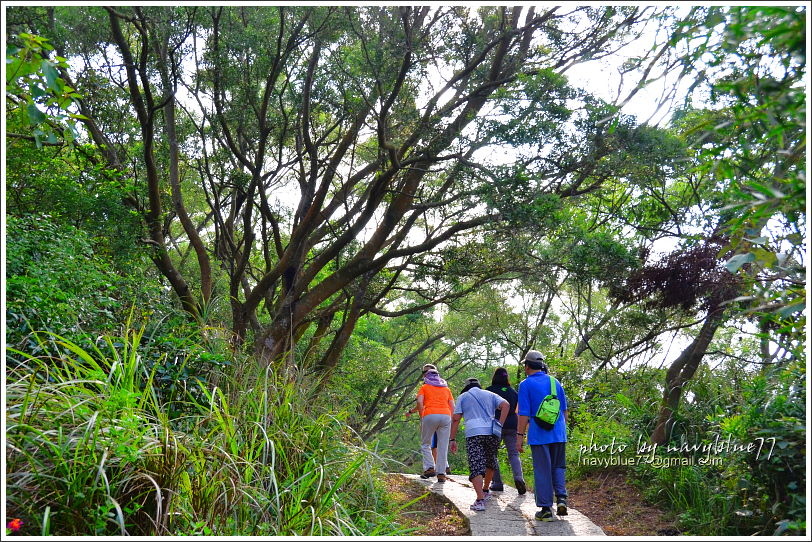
564,404
504,410
420,399
521,431
455,424
522,404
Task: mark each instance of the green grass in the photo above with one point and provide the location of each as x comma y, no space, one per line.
92,451
701,507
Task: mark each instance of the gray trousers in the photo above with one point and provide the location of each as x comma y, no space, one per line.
429,424
509,437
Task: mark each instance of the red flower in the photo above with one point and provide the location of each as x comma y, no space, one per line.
15,525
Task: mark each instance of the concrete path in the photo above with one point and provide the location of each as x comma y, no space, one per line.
507,514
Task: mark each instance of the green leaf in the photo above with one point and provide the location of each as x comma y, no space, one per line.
734,263
51,76
34,114
790,309
37,91
18,69
757,189
73,130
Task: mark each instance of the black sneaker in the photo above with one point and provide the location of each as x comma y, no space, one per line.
545,514
497,488
428,473
561,507
520,486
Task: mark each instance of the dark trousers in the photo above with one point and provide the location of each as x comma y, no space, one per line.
549,471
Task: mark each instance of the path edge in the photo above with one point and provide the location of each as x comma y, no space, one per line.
416,484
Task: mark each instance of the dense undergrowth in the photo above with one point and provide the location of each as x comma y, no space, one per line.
98,445
735,463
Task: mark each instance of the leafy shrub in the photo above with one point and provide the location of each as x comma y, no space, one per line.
693,492
631,397
771,485
596,443
756,485
55,282
91,451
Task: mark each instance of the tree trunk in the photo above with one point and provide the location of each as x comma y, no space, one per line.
680,372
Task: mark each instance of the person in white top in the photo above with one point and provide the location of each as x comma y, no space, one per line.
478,406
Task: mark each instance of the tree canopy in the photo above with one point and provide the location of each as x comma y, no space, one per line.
309,179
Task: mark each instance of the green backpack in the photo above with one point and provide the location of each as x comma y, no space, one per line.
549,409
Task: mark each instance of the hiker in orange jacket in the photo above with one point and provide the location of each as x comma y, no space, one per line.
435,404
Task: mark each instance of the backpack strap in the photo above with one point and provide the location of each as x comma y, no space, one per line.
493,416
552,386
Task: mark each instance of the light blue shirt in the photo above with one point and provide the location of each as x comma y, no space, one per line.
477,419
532,390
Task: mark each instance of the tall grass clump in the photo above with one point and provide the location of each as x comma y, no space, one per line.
753,476
92,450
693,493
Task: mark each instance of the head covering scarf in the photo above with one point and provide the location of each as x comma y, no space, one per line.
432,378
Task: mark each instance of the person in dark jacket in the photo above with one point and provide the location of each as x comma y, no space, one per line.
500,385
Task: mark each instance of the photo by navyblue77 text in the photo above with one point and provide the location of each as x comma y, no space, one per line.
615,453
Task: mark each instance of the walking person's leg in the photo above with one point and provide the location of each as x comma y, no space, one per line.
509,436
443,433
428,425
475,451
543,481
558,466
491,447
496,482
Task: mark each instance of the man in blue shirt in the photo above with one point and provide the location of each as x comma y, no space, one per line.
548,446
